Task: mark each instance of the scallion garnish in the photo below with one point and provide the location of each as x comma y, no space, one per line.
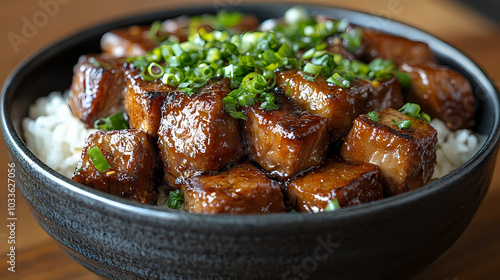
156,33
337,79
113,122
413,110
424,117
410,109
155,71
332,205
224,20
404,79
175,199
404,124
220,54
97,159
312,68
373,116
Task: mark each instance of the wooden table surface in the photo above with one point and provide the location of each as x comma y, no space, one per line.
476,255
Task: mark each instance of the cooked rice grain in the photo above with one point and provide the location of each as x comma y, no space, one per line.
54,134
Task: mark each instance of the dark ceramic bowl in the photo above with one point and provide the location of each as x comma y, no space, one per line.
393,238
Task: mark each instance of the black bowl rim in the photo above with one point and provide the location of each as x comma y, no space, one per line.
442,185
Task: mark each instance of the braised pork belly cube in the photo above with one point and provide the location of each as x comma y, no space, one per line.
442,93
350,183
143,101
132,160
284,141
243,189
406,156
340,106
398,49
126,42
196,135
96,90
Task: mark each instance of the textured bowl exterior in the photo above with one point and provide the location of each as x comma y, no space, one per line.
393,238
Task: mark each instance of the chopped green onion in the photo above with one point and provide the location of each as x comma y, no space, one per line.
410,109
220,54
413,110
95,62
156,34
425,118
175,199
332,205
352,41
404,124
312,68
155,71
113,122
227,20
296,14
373,116
404,79
340,81
97,159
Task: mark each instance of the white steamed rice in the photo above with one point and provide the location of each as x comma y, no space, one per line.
57,138
54,134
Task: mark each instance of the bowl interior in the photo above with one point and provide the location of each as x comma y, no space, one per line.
51,70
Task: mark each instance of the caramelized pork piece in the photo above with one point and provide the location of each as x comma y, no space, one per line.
398,49
405,156
133,171
350,183
143,101
196,135
243,189
340,106
442,93
96,91
126,42
284,141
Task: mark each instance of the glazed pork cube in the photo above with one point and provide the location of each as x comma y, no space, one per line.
126,42
196,135
443,93
143,101
284,141
406,156
96,90
243,189
340,106
398,49
350,183
132,160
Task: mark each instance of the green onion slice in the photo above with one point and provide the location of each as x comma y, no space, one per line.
113,122
413,110
98,160
404,124
313,68
155,70
410,109
373,116
175,199
340,81
332,205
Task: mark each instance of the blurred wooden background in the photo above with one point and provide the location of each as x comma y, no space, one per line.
476,255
